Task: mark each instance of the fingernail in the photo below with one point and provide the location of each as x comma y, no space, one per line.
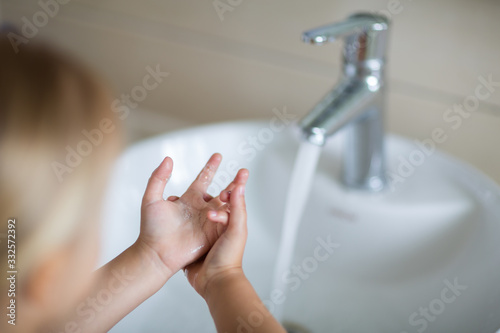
212,213
241,190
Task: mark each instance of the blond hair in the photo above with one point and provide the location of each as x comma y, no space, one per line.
46,100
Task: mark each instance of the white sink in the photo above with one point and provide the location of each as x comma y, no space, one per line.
399,252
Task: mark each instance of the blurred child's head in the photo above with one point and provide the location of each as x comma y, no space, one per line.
57,139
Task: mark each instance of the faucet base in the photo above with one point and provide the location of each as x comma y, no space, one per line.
364,165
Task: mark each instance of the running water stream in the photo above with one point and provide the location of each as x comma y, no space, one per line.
297,195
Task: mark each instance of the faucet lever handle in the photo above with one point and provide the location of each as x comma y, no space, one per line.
364,32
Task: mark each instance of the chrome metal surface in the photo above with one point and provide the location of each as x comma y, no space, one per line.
357,102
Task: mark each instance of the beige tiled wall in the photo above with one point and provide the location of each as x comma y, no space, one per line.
253,60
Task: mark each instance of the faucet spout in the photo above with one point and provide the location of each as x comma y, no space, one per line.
356,103
342,105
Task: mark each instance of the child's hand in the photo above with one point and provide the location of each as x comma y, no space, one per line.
180,230
219,277
224,259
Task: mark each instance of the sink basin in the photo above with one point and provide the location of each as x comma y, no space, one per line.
424,256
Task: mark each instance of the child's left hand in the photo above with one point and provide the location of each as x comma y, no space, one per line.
180,230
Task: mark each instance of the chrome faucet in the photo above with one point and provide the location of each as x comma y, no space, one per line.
357,101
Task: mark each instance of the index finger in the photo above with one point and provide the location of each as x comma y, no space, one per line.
202,182
238,215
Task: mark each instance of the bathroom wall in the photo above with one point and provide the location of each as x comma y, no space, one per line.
247,58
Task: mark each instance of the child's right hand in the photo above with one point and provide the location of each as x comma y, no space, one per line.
224,260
